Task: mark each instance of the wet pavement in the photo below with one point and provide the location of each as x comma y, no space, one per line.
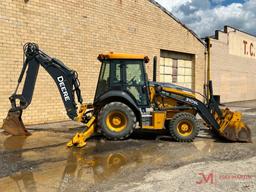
145,162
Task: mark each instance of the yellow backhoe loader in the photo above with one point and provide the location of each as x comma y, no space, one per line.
125,100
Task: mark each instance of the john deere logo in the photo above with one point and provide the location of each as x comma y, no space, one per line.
191,101
63,88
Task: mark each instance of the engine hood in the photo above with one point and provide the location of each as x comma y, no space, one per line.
171,85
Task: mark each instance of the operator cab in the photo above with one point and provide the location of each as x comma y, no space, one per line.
125,73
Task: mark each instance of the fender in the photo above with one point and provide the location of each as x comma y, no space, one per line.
122,96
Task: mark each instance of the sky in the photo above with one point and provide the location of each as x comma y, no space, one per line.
206,16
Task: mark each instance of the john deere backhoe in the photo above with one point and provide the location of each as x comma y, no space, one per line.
124,100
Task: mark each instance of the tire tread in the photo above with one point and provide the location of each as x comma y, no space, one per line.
173,122
101,119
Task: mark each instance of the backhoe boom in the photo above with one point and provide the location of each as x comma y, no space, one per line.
65,79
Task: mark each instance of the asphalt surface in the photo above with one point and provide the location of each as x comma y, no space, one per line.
145,162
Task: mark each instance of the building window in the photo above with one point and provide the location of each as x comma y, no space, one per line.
177,70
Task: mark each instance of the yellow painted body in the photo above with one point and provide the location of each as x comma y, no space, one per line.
168,89
158,119
112,55
165,103
171,90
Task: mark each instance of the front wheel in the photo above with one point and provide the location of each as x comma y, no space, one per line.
116,121
184,127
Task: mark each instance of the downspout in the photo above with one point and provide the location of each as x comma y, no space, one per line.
154,68
208,75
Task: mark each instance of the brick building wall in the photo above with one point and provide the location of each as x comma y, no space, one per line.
76,31
233,65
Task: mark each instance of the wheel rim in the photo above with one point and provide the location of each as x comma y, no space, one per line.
185,128
116,121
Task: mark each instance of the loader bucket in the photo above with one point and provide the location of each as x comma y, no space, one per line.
13,124
233,128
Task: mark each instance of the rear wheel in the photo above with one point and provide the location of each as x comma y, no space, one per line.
116,121
184,127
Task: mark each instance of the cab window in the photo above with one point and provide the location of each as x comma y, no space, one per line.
135,81
103,84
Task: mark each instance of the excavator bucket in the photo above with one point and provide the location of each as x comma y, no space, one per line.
14,125
232,127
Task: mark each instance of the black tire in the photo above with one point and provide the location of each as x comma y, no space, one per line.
175,130
116,107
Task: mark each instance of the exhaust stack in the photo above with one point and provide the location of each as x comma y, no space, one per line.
154,68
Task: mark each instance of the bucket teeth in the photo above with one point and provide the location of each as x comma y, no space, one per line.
242,135
245,135
14,125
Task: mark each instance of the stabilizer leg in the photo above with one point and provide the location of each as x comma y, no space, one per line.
79,140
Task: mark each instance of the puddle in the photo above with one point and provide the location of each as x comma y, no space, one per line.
84,170
27,166
61,169
14,143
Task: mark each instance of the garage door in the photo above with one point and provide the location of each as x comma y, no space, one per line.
177,69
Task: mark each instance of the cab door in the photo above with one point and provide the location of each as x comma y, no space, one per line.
135,81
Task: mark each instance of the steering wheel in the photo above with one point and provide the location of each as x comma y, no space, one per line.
132,81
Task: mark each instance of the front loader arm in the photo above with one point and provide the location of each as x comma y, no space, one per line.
226,123
201,108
